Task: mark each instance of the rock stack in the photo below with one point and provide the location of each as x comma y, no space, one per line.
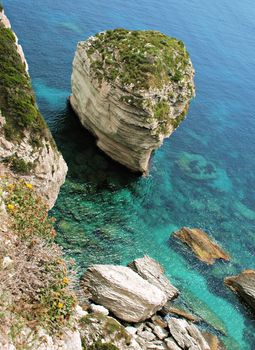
131,89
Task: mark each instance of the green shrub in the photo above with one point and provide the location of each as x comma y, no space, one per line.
142,58
161,110
101,346
35,291
19,165
17,100
28,212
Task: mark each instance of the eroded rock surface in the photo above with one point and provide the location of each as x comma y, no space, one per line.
186,335
27,149
123,292
201,244
244,286
153,272
131,89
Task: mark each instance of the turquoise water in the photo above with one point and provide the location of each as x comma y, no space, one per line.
107,215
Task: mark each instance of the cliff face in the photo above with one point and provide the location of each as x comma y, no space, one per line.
27,149
131,89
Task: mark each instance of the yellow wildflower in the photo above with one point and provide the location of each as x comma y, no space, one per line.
65,280
60,305
10,187
10,206
30,186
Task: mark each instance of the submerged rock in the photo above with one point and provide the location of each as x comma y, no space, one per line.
153,272
201,244
131,89
197,167
244,286
127,295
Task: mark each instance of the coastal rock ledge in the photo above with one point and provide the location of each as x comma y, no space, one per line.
244,286
131,89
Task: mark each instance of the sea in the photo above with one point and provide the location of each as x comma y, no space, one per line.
204,174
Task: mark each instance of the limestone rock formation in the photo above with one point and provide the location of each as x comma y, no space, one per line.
131,89
27,149
123,292
244,286
186,335
153,272
102,329
201,244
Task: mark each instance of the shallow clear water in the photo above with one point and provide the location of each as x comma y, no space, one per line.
107,215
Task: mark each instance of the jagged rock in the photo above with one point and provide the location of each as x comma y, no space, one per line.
171,344
99,309
244,286
123,292
96,328
131,100
201,244
160,332
158,321
187,335
153,272
156,346
170,308
27,149
131,330
147,335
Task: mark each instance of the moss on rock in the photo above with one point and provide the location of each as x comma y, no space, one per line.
146,59
17,100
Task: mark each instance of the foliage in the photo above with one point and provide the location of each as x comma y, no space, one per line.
103,346
17,100
36,290
175,122
19,165
161,110
28,212
143,58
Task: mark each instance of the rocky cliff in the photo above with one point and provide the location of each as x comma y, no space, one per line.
131,89
27,149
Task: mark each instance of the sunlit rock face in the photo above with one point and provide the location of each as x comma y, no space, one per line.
27,149
131,89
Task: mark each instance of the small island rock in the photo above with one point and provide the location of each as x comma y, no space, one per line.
122,291
131,89
201,244
244,286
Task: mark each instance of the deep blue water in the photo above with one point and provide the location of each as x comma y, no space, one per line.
107,215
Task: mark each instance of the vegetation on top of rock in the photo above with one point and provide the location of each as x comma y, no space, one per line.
17,100
101,346
34,287
1,7
144,59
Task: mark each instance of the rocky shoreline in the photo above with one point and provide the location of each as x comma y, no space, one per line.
122,307
125,294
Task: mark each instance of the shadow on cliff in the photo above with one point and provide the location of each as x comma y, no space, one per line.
86,162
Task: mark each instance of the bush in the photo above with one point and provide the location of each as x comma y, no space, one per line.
36,290
17,99
18,165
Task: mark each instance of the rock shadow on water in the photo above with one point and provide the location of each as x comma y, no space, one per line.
86,162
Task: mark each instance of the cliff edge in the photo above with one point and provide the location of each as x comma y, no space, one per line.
27,149
131,89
